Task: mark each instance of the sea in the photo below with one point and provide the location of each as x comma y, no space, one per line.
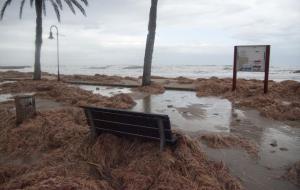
277,73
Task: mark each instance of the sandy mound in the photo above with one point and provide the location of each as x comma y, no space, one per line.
53,151
184,80
155,77
281,103
154,88
98,78
15,74
21,75
293,174
212,87
227,141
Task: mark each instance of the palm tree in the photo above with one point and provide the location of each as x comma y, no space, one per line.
40,8
150,43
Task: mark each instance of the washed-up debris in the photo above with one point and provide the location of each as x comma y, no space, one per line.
249,93
293,173
230,140
54,151
151,89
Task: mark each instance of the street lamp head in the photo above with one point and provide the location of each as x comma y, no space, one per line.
51,36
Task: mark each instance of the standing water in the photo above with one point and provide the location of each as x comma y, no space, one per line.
197,115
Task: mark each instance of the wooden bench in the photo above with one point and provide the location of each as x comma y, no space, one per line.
137,124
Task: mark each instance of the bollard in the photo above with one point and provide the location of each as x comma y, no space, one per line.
25,108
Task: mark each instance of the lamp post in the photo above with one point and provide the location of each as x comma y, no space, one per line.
51,38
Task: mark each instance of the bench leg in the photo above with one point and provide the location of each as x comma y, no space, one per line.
93,132
162,135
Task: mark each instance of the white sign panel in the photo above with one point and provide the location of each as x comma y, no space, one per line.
251,58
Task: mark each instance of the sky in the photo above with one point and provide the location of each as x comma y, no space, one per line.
194,32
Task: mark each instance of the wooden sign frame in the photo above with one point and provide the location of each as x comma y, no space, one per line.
267,65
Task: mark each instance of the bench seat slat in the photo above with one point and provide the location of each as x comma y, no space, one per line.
130,128
127,112
125,118
129,124
169,141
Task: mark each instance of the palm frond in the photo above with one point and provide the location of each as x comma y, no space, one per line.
21,8
31,3
58,2
69,3
85,2
56,9
79,7
4,7
44,7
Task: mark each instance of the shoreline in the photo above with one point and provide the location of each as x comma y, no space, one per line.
277,73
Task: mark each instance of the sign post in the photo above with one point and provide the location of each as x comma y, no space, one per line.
234,69
254,58
266,82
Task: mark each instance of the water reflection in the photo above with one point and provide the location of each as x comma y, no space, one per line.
147,104
188,112
194,116
105,90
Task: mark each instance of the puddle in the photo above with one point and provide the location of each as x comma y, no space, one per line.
188,112
5,97
253,174
8,97
195,115
45,104
7,82
105,91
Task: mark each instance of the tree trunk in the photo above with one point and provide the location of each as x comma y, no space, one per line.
150,43
38,40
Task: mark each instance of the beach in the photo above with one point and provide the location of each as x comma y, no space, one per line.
226,139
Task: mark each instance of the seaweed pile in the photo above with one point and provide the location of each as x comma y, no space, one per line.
154,88
229,141
293,173
70,95
184,80
54,151
99,78
281,103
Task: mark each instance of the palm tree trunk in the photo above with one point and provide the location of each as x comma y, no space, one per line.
150,43
38,40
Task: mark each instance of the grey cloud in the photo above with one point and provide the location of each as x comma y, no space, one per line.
114,31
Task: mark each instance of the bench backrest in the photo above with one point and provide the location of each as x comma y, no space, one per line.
130,123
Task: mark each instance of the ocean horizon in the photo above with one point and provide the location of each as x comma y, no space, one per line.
277,73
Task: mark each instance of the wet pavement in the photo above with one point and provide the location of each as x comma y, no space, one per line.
40,103
278,143
104,90
10,97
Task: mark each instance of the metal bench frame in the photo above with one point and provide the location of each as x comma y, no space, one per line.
162,124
